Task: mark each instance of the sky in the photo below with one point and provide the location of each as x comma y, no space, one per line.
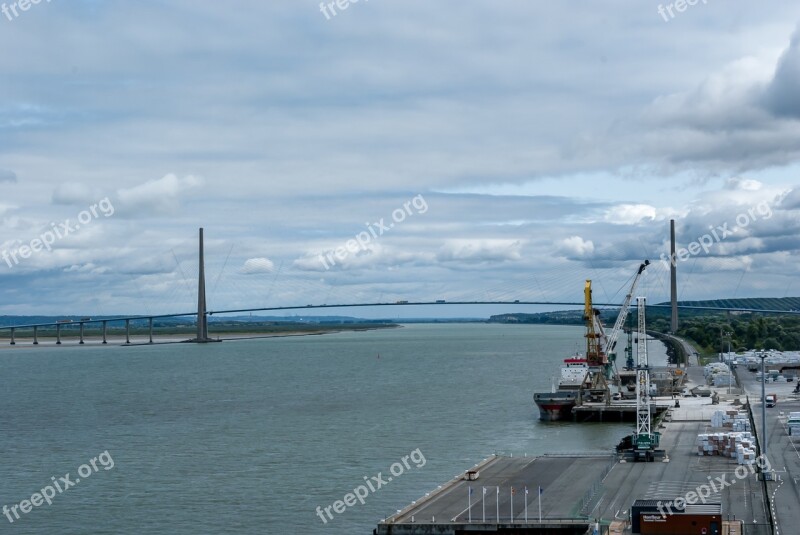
394,150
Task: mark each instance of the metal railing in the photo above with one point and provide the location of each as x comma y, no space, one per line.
591,492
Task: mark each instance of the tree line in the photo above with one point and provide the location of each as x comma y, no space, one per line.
714,331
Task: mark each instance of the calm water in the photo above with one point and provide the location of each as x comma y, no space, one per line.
252,436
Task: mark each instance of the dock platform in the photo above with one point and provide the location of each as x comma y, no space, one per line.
501,481
615,412
579,490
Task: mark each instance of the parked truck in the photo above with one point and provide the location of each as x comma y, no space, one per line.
773,374
793,423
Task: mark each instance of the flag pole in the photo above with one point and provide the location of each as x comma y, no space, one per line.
483,504
498,504
526,504
512,505
469,504
540,504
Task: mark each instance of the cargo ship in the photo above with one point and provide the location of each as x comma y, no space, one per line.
557,404
585,378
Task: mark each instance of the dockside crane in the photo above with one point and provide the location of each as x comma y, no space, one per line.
599,346
643,428
644,442
594,386
623,314
642,445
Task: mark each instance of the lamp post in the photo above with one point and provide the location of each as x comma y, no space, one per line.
730,364
762,356
722,335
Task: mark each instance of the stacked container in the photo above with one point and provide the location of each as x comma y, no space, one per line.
739,445
735,420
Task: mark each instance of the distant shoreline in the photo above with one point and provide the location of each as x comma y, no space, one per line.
140,337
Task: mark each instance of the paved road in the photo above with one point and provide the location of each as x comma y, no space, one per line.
688,348
782,450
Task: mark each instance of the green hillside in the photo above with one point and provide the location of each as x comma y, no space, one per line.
750,303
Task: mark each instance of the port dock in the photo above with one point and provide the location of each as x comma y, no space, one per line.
582,491
446,511
615,412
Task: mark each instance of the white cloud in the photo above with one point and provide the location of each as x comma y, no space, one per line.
630,214
4,208
160,196
576,247
372,256
257,265
75,193
89,268
471,251
743,184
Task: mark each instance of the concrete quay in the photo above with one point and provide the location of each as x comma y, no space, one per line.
582,493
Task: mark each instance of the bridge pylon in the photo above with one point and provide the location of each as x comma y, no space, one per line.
202,312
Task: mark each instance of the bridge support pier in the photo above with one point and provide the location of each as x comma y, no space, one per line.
81,342
36,336
151,330
58,334
13,343
105,325
127,331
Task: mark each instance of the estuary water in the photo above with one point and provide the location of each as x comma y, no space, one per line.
252,436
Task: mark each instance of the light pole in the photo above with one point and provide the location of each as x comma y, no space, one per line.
762,356
722,335
730,364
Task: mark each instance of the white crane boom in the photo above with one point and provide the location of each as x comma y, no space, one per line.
623,311
644,435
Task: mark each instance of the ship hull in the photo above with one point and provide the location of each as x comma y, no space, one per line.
555,406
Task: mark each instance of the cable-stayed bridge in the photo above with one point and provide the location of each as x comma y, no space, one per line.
201,315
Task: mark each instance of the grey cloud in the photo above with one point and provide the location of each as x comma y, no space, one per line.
782,97
6,175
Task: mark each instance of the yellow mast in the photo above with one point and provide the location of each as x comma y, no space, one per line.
594,354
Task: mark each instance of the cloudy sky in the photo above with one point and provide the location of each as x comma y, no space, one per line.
478,150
